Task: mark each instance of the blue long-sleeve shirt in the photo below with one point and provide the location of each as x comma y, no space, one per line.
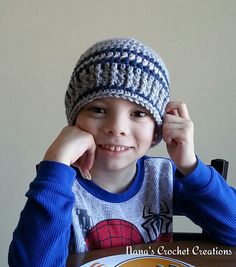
44,229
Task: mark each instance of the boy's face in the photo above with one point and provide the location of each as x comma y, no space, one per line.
123,131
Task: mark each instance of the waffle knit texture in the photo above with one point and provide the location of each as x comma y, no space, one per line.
42,235
101,219
123,68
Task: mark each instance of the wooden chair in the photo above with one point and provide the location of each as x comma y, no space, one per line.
221,166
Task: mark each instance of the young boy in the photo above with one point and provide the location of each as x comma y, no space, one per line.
96,188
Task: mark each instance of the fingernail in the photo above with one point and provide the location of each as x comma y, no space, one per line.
85,176
88,176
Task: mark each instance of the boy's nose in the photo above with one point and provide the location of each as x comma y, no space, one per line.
116,127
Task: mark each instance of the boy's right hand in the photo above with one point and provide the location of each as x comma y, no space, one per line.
73,146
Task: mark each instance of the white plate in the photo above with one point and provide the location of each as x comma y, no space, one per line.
127,260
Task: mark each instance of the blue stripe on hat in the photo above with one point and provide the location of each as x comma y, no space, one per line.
82,63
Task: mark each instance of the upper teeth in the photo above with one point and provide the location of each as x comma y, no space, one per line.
115,148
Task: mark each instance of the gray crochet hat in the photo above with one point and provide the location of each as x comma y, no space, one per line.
119,67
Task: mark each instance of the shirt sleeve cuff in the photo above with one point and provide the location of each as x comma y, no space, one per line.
55,172
197,179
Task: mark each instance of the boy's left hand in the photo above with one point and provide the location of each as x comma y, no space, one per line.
178,134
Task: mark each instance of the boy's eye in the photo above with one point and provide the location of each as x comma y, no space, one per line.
138,114
98,110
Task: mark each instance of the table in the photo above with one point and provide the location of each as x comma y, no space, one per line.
197,253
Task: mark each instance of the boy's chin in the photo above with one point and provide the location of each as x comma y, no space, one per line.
116,165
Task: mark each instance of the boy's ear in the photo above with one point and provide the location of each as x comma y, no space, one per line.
155,136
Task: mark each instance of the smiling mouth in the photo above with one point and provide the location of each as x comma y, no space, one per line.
115,148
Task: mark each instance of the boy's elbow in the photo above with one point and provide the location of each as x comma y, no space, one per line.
231,242
229,239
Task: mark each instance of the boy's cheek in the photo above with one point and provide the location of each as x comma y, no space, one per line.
82,123
88,128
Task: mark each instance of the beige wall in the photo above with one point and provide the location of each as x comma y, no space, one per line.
40,43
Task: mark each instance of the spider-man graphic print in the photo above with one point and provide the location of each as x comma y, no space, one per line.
143,214
158,225
113,233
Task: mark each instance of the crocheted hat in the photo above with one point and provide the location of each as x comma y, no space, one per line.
119,67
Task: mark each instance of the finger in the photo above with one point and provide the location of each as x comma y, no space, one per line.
90,155
85,162
169,119
173,112
179,108
169,139
83,171
179,125
174,133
